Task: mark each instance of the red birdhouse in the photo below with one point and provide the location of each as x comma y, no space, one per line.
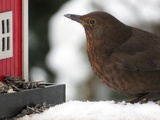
14,38
14,61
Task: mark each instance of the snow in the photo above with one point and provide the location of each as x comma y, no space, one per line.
103,110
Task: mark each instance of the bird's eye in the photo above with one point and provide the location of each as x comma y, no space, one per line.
92,21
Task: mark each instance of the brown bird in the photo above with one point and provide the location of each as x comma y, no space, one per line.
126,59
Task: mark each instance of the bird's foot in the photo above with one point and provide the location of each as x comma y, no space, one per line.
144,98
140,100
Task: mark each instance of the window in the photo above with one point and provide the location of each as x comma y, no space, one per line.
6,37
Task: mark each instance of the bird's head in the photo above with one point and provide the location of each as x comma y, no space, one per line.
100,25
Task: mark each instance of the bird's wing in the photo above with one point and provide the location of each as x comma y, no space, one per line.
139,53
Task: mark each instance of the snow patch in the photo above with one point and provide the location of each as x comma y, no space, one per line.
103,110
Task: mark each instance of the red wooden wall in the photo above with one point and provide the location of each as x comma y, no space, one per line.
13,66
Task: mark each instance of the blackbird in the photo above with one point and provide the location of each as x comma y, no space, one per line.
124,58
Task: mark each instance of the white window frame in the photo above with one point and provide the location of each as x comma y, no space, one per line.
6,36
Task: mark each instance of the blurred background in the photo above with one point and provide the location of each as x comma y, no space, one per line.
57,45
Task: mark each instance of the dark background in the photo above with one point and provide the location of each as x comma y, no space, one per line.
40,11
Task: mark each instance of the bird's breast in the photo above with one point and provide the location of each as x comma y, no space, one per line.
109,71
99,60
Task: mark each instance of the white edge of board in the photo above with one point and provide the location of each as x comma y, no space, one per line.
25,41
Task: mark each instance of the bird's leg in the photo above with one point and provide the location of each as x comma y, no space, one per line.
139,99
147,97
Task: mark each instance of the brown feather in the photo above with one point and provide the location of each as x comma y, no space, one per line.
126,59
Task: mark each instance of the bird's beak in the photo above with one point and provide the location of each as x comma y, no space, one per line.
74,17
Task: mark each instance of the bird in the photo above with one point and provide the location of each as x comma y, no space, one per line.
125,58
